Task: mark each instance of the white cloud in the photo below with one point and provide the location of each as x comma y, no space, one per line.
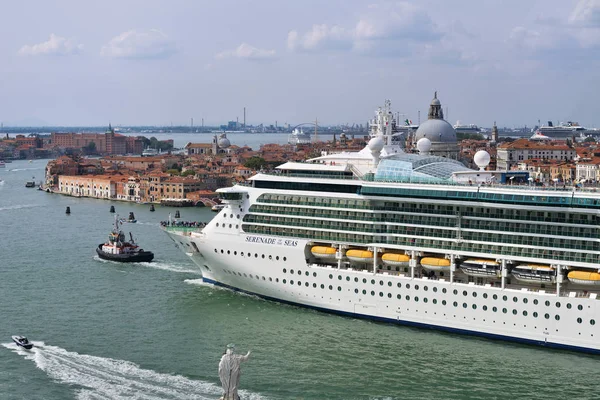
247,52
56,45
586,13
387,29
140,44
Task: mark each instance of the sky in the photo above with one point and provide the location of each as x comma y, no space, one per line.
157,62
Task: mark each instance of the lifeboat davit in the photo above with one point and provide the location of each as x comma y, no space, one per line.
323,251
584,278
481,268
359,255
435,264
395,259
533,273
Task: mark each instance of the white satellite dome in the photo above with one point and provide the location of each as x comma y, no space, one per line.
482,159
424,145
376,144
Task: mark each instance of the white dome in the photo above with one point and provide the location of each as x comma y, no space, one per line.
223,142
482,159
376,144
437,131
424,145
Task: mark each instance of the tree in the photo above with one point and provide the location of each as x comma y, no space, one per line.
255,163
173,172
188,172
90,148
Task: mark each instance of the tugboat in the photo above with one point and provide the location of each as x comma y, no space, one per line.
22,341
118,249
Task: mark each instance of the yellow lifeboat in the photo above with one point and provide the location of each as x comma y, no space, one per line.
395,259
435,264
584,278
323,251
357,255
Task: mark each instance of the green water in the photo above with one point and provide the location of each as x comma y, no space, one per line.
153,331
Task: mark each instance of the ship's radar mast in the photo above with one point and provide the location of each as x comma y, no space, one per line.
383,124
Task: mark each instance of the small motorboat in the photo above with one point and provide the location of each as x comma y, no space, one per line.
22,341
131,218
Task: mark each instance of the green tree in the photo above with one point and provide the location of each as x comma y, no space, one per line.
255,163
188,172
173,171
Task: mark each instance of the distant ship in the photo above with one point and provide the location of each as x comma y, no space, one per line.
149,152
471,128
563,130
299,137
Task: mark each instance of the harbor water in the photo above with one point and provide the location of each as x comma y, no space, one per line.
104,330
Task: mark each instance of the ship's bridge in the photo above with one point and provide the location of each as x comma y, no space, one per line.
232,194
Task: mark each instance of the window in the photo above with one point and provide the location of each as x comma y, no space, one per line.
547,316
580,307
504,310
535,314
579,320
558,304
592,322
494,309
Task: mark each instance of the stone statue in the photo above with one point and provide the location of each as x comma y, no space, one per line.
229,372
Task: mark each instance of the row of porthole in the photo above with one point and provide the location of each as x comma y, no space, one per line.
225,225
399,297
235,253
230,216
299,272
455,292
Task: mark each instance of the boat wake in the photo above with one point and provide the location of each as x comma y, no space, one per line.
185,269
24,169
107,378
19,206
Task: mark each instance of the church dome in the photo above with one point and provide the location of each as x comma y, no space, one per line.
437,131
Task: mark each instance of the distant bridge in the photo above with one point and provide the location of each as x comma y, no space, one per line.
306,123
206,201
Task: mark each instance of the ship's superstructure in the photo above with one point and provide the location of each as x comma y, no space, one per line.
562,130
415,239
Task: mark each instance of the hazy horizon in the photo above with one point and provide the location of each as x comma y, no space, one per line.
156,62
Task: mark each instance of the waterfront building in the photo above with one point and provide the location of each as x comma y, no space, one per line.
511,153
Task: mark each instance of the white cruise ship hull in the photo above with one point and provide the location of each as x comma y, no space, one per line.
420,302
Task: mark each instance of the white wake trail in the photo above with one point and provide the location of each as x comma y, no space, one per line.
106,378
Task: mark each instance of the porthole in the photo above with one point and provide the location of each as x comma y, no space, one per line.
416,287
547,303
339,277
277,280
355,279
291,282
425,300
330,287
348,278
263,256
284,258
557,304
381,283
495,297
425,288
380,294
504,310
242,254
579,320
330,276
255,255
222,251
372,293
284,281
580,307
504,298
455,304
435,289
464,292
474,306
217,224
390,283
364,280
514,312
474,294
535,302
276,257
399,285
315,274
307,273
434,301
238,216
515,299
291,271
270,257
235,253
228,252
389,295
407,297
535,314
444,290
216,251
416,299
464,305
569,306
399,297
455,291
372,281
547,316
322,286
284,270
355,290
230,225
443,302
485,295
592,322
494,309
524,313
364,292
525,300
315,285
557,317
339,288
300,283
484,308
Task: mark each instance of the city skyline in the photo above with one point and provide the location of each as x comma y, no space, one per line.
157,62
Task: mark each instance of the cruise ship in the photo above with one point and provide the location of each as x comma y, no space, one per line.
562,130
411,239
